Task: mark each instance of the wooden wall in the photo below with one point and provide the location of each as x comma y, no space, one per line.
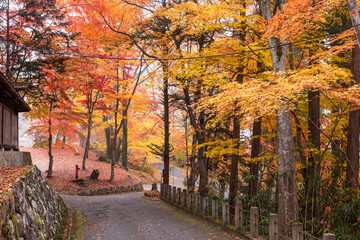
1,131
8,128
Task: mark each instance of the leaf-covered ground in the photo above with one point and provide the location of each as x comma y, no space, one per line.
64,170
8,177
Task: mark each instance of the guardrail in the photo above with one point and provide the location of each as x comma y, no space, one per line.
249,221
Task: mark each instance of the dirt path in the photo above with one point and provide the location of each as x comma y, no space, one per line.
129,216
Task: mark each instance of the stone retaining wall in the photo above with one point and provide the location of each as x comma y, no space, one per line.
14,159
110,190
33,211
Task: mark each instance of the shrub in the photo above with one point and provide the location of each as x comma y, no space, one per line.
42,144
102,159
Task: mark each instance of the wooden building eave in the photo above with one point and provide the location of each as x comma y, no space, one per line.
10,97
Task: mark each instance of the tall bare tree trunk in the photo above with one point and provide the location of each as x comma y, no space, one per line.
8,41
255,152
193,167
124,149
114,141
234,169
352,149
166,123
113,152
201,156
51,159
355,17
287,200
124,152
87,145
312,169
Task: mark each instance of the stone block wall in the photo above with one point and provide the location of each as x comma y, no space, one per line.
112,190
33,210
15,159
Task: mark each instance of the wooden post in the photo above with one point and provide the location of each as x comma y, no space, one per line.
184,197
225,212
179,196
328,236
164,190
214,209
254,222
174,195
161,190
296,231
238,216
191,202
273,227
197,202
169,193
205,207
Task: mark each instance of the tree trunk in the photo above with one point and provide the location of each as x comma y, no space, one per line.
8,75
87,146
312,169
124,141
355,17
114,141
199,126
201,155
193,167
234,164
287,203
255,152
352,149
108,133
166,123
187,163
118,151
108,142
236,132
51,160
58,136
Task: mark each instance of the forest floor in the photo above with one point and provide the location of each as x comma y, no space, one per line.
64,170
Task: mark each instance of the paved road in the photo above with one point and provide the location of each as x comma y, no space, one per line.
177,175
129,216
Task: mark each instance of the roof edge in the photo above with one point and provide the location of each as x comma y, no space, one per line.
26,107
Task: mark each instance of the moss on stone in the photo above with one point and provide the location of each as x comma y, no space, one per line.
64,224
27,158
27,172
14,221
38,223
6,231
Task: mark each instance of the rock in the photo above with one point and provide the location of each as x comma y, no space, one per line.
81,182
34,211
11,227
32,234
20,226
